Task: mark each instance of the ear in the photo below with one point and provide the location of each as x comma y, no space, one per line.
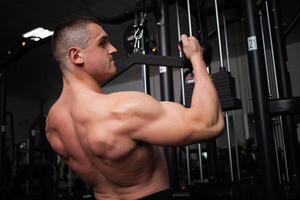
74,56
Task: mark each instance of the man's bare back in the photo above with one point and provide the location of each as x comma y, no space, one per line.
112,140
128,169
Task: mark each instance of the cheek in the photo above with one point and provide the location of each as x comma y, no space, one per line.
96,61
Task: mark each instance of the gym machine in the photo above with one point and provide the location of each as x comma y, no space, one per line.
265,108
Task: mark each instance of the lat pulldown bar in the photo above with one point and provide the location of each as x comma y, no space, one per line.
154,60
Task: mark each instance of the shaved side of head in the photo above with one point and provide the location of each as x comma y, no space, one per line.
70,33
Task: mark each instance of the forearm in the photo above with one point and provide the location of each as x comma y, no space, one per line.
205,106
199,69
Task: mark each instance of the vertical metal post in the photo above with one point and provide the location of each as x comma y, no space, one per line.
219,33
189,17
224,68
145,72
278,130
285,91
260,101
187,153
265,50
167,90
145,77
269,89
232,112
145,69
237,158
226,40
229,145
139,46
277,144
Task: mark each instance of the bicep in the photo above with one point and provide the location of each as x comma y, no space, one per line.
142,118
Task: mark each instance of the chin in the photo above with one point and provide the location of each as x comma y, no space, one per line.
108,76
113,70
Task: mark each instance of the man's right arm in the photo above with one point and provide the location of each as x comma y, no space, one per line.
166,123
205,105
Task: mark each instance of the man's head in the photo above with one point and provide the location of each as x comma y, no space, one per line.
82,42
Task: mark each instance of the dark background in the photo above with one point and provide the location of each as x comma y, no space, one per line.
35,74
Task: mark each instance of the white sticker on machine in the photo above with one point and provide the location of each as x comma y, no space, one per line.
162,69
252,44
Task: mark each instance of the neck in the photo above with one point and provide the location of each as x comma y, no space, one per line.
77,77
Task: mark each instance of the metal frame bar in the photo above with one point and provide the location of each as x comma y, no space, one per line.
260,100
284,87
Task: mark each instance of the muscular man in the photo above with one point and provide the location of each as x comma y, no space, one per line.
113,141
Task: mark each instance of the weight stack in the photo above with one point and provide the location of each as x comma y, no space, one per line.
225,86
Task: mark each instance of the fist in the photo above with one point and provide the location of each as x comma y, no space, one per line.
190,47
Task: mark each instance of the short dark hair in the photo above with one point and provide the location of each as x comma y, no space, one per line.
72,31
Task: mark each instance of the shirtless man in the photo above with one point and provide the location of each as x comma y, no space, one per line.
113,141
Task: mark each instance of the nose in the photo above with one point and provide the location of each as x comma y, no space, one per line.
112,49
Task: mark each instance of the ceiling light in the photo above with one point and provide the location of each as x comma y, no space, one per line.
37,34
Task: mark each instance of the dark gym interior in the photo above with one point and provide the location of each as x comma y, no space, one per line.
251,51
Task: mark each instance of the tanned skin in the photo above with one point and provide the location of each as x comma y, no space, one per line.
114,141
